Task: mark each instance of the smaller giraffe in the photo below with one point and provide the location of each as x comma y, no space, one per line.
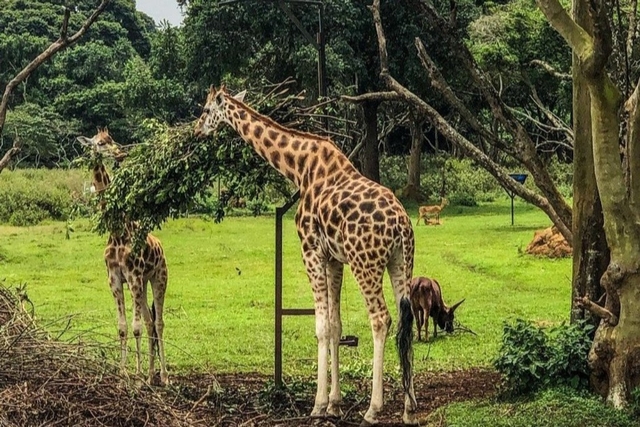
124,266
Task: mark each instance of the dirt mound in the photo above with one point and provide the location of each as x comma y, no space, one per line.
549,243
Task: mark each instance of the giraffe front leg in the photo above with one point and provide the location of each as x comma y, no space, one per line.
118,295
315,267
335,273
148,322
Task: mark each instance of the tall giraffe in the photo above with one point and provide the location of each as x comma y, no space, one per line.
123,266
342,218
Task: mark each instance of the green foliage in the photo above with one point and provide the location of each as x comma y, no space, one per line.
556,407
28,198
163,177
47,136
531,358
465,183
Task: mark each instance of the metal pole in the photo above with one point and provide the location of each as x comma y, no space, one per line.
512,197
280,211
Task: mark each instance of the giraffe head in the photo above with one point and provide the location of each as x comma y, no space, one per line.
103,145
215,111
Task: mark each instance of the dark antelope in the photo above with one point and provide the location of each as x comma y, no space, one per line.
426,300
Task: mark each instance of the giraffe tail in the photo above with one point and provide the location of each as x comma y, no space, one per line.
154,338
404,336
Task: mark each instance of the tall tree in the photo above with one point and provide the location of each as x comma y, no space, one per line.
65,40
614,358
590,251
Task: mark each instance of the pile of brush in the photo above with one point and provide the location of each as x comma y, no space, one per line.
44,381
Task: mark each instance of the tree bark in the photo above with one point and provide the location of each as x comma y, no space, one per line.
412,190
5,161
614,357
370,154
590,251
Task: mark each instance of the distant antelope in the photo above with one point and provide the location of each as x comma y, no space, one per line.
425,211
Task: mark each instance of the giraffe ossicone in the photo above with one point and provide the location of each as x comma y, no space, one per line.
342,218
135,269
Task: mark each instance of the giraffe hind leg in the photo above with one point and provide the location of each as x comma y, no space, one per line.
335,271
404,336
369,277
159,287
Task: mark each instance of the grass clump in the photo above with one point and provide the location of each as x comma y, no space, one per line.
554,407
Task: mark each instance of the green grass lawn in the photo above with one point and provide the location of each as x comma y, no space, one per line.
217,319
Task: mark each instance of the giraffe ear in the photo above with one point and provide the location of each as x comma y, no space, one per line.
212,89
240,96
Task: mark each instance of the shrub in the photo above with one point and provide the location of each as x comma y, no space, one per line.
33,195
530,358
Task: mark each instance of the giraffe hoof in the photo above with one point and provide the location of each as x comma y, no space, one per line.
319,412
334,411
365,423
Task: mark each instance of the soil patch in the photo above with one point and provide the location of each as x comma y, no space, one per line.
251,400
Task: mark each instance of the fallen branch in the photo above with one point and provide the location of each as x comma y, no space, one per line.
372,96
595,309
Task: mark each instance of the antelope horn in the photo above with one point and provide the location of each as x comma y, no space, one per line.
456,305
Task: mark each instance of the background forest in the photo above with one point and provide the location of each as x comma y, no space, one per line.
134,75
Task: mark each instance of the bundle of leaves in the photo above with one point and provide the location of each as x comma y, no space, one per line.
165,175
44,381
532,358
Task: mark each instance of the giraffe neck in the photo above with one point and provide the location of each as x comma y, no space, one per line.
302,157
101,178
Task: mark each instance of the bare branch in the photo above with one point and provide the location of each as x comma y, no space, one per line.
456,138
595,309
372,96
549,69
439,83
577,38
50,51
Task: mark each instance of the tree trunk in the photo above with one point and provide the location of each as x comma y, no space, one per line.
614,357
412,190
370,154
590,251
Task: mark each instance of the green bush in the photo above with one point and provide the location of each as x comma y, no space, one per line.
30,196
531,358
